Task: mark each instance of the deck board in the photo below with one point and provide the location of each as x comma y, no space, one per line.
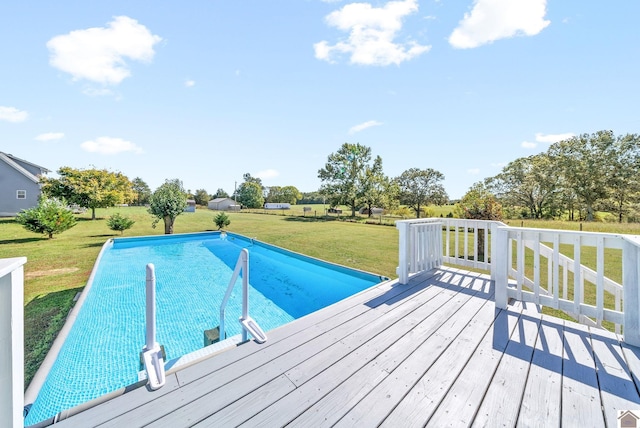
543,392
581,404
433,352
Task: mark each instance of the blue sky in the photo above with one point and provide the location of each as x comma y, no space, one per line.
206,91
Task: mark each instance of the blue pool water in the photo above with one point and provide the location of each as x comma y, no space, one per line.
101,352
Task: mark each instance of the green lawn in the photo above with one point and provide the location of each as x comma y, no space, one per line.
57,269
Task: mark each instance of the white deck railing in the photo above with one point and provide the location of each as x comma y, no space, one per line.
11,341
529,265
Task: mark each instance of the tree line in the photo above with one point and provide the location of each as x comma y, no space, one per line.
573,179
352,177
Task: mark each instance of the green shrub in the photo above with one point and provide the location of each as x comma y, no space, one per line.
118,223
221,220
51,216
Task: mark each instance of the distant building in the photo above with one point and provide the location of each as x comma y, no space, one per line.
223,204
277,206
191,206
19,184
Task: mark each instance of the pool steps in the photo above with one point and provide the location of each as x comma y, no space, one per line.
249,326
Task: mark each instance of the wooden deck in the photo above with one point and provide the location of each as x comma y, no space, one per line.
434,352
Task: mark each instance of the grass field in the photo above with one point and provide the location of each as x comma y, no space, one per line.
58,269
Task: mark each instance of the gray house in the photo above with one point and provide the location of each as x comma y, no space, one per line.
19,184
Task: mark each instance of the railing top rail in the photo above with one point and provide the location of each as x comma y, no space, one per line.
631,238
448,220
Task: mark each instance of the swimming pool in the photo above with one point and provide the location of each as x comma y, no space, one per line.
101,352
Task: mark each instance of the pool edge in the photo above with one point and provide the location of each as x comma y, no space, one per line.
41,374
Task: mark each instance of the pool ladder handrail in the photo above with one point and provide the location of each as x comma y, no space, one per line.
248,324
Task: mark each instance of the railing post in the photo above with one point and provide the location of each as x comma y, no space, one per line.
492,252
501,271
403,252
631,290
11,340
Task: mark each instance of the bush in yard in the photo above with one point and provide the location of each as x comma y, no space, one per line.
51,216
221,220
119,223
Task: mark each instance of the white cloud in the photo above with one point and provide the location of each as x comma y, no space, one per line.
363,126
473,171
492,20
97,92
553,138
99,54
12,114
189,83
110,146
50,136
267,174
372,31
528,145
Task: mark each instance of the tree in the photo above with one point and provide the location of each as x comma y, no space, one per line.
168,202
585,162
479,204
49,217
220,193
530,182
222,220
119,223
286,194
377,189
624,182
201,197
418,188
91,188
141,190
346,173
249,194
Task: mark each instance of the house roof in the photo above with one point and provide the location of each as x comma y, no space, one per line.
218,200
12,161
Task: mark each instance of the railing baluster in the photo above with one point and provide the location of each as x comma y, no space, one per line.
577,277
520,262
556,267
600,280
536,266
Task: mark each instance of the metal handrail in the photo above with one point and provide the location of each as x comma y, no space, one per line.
248,324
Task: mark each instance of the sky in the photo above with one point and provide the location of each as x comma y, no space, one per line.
206,91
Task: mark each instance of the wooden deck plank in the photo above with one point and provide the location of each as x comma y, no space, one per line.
288,408
581,404
459,406
431,341
617,389
543,392
119,405
418,384
503,398
632,359
333,406
239,410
